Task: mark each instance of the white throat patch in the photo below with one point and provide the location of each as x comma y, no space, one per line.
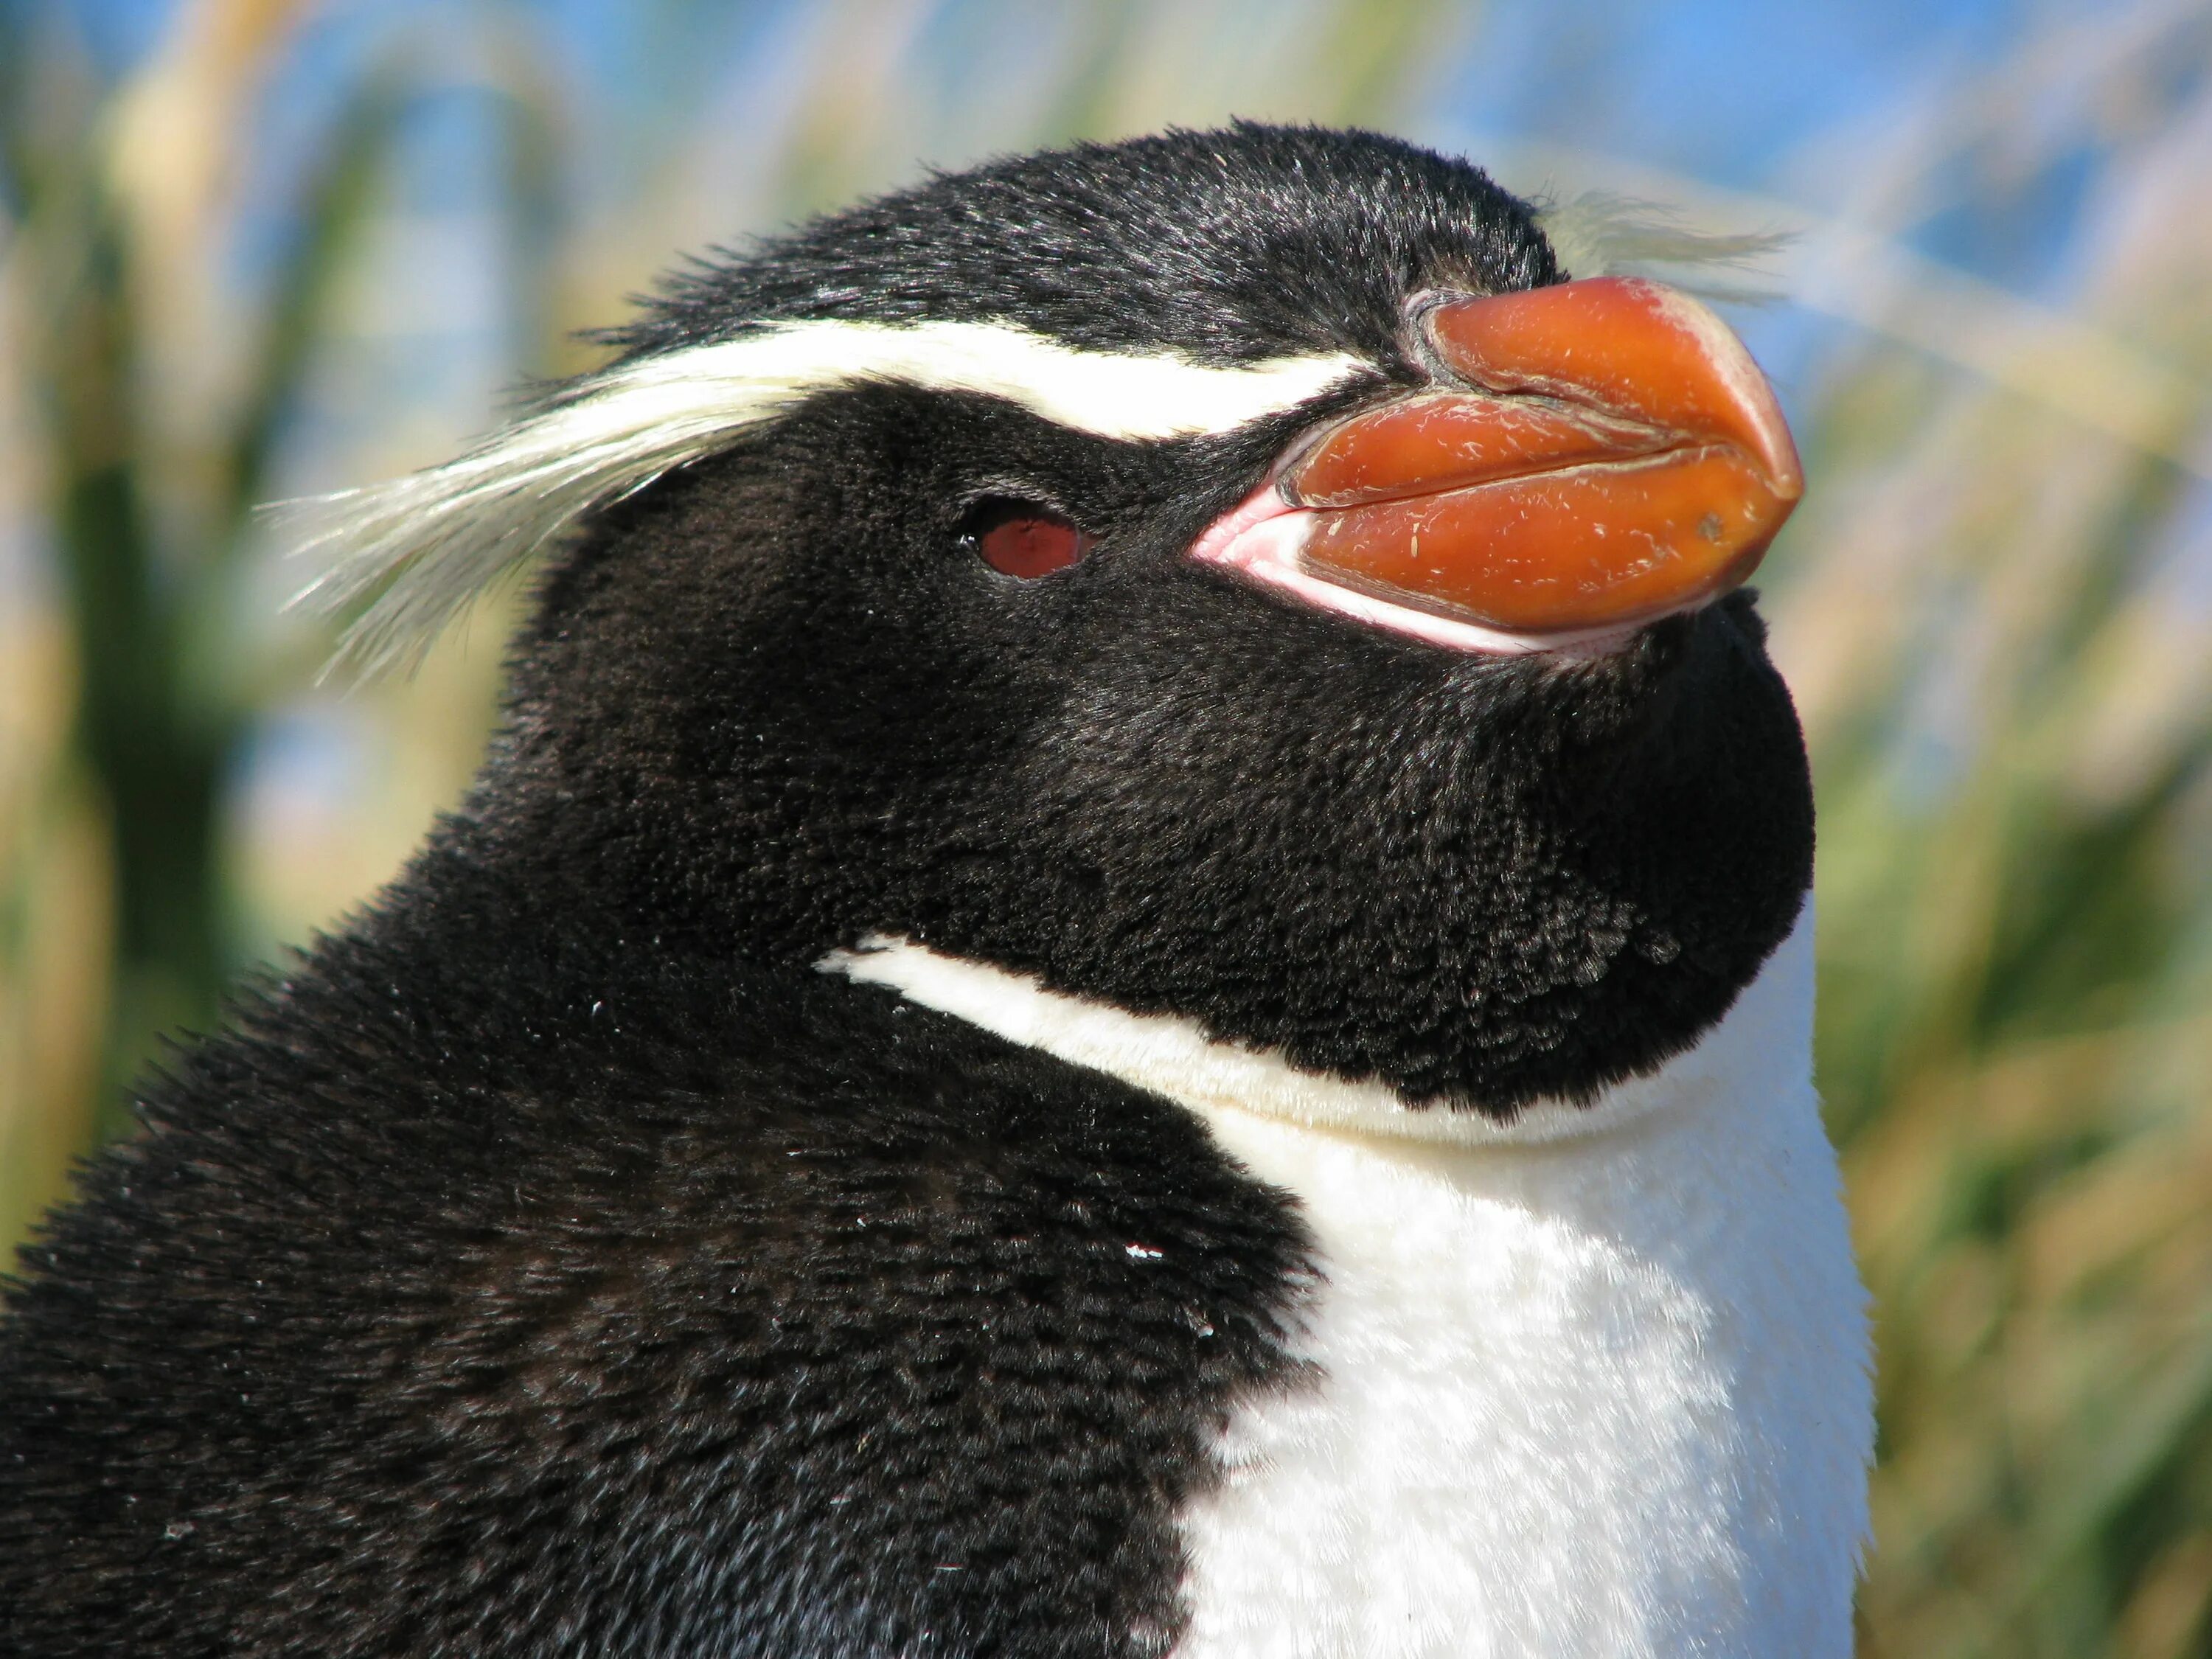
1594,1382
427,543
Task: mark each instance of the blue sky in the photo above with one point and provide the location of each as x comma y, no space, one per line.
1721,89
1726,91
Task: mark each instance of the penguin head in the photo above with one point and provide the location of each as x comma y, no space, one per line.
1188,571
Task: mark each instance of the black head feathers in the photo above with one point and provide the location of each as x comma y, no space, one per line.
772,699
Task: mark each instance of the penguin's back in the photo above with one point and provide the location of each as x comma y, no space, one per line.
723,1313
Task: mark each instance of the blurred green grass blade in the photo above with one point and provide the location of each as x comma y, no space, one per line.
334,210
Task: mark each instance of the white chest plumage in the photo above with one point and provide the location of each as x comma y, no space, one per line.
1592,1383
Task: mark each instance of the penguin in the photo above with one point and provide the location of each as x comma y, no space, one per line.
1131,976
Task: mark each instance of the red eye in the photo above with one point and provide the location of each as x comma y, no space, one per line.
1019,539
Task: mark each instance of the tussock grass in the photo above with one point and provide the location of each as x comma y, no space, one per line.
1996,611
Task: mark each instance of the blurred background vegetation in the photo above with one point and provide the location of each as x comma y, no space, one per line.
255,248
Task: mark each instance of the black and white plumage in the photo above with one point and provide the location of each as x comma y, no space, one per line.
915,1110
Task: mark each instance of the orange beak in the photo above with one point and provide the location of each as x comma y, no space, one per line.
1618,457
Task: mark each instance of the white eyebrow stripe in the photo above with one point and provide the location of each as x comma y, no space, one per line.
427,543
